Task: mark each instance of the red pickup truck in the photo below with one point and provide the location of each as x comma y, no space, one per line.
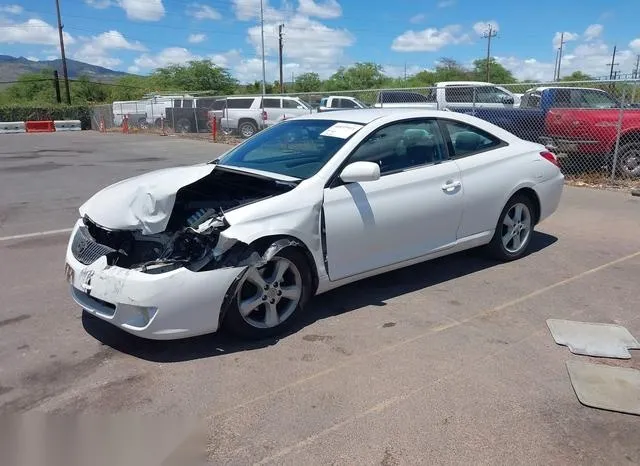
592,131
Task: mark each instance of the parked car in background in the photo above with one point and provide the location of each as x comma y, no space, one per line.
339,102
574,122
245,241
145,112
451,95
190,115
248,115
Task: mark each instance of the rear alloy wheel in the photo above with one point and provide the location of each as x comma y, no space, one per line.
629,160
514,230
268,297
247,129
183,126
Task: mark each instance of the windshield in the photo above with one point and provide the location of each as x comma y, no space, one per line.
295,148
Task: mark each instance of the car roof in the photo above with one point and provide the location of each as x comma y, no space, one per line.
463,83
544,88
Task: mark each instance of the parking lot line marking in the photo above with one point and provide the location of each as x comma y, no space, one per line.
36,234
431,331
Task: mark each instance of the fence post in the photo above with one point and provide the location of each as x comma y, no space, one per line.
102,128
474,100
163,133
618,131
214,127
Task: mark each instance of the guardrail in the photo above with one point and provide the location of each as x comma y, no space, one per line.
39,126
67,125
12,127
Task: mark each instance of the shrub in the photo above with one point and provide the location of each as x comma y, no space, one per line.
47,112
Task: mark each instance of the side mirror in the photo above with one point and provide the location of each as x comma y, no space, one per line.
508,100
358,172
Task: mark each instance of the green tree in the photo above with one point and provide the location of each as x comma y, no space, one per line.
449,69
359,76
85,91
497,73
33,87
577,76
308,82
197,75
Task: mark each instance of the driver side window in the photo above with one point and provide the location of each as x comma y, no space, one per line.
401,146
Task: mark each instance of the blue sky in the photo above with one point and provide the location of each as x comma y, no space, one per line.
320,35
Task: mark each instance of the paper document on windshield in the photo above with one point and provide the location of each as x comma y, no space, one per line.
341,130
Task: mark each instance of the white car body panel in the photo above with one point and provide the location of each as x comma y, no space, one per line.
370,228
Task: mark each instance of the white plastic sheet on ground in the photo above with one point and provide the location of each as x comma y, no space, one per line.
592,339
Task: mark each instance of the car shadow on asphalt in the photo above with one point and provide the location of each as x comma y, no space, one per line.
374,291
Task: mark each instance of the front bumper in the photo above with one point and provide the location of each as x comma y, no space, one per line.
172,305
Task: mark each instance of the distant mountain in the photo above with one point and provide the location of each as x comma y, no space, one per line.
11,68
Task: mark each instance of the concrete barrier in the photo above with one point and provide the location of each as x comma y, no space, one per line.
12,127
67,125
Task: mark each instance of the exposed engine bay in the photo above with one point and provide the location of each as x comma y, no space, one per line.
192,237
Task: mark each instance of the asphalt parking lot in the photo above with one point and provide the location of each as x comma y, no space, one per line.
448,362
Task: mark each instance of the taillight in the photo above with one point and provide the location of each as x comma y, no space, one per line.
551,157
264,115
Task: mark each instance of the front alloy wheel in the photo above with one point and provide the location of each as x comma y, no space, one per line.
270,295
268,298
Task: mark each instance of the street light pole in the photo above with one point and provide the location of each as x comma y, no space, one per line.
264,69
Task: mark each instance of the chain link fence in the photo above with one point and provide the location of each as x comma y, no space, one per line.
593,126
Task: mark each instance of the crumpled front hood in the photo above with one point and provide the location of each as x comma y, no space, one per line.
143,202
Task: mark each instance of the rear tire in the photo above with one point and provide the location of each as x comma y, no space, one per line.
514,230
183,126
269,299
247,129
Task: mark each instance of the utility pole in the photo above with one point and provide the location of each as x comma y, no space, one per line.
56,86
488,35
64,58
635,72
555,66
264,69
560,54
405,71
613,63
280,56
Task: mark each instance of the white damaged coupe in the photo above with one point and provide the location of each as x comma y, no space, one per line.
308,205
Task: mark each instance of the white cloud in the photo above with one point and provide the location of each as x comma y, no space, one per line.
202,12
399,71
446,3
95,50
197,38
166,57
635,45
482,27
143,10
590,57
430,39
250,9
306,40
568,37
133,69
32,31
226,59
416,19
99,4
594,31
328,9
11,9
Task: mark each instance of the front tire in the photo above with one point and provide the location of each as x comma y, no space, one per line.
268,299
629,161
514,230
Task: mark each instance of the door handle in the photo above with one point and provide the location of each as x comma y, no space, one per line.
451,185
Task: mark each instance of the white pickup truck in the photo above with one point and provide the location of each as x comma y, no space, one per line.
339,102
450,94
